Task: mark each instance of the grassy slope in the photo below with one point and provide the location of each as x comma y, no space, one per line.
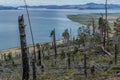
86,19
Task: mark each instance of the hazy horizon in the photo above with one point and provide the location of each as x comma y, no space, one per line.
53,2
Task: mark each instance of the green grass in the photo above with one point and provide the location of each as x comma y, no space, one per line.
62,74
86,19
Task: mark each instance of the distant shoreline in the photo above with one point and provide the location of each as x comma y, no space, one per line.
76,6
18,49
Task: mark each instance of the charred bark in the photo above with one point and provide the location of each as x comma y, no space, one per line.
25,63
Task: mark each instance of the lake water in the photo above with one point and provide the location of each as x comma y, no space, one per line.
42,20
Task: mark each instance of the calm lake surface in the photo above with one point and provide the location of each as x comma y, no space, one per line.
42,20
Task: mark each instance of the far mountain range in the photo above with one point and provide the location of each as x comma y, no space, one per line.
82,6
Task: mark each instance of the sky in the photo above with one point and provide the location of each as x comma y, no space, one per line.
53,2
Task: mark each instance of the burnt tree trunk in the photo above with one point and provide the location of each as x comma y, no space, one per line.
85,67
43,56
39,54
106,19
69,61
34,69
116,52
93,24
54,44
25,63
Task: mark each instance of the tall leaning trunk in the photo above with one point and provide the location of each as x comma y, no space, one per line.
25,63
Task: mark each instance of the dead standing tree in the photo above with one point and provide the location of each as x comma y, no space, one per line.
39,54
54,41
106,25
25,63
116,53
85,67
53,34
